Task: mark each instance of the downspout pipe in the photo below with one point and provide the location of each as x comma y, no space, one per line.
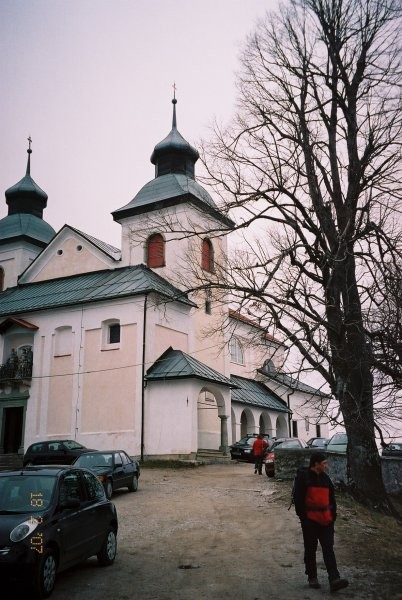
143,382
290,413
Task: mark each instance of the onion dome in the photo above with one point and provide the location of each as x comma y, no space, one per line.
174,159
26,201
174,154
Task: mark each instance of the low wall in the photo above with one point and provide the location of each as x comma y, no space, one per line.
288,460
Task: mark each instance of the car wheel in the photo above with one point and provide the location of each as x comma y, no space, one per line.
133,487
108,489
107,553
45,575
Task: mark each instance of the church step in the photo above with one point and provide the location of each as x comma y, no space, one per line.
211,456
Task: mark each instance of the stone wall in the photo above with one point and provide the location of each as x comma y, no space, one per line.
288,460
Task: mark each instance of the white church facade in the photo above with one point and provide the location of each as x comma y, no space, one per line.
102,345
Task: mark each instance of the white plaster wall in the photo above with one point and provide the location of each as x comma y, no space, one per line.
68,254
171,417
14,259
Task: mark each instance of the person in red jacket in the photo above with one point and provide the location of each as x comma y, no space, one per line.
259,447
315,504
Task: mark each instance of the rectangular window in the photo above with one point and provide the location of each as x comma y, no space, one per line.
114,333
307,425
294,429
318,430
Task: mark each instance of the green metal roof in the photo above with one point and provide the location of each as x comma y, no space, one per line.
26,186
85,288
27,226
269,370
108,249
175,364
169,190
255,393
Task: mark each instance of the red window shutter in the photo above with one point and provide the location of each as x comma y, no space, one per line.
156,251
207,258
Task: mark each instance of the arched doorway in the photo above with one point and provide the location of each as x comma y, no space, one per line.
212,419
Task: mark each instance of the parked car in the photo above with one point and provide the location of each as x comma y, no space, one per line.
269,458
50,519
243,449
337,443
114,469
393,449
53,452
317,442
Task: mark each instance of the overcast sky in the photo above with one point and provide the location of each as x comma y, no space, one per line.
91,82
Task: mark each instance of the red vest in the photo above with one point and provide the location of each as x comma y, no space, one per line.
317,505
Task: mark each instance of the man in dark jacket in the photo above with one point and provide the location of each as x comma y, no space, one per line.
315,505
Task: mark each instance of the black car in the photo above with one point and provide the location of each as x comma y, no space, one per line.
53,452
269,458
50,519
317,442
393,449
243,449
114,469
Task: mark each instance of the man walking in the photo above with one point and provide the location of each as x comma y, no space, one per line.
315,505
259,447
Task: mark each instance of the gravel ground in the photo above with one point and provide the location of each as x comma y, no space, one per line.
219,532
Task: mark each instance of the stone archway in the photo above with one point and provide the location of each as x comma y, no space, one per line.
281,426
212,420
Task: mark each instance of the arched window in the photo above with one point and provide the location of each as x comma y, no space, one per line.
1,279
236,351
63,341
207,255
111,334
155,251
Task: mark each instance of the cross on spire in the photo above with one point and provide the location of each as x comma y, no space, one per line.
174,90
30,142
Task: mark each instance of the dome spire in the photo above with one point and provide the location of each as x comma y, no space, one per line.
29,156
174,102
174,154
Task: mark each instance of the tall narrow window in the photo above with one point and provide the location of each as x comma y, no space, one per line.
207,255
1,279
208,302
236,351
155,251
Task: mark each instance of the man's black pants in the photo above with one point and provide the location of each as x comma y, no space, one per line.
312,534
258,463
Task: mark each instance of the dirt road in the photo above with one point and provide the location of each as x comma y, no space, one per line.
222,533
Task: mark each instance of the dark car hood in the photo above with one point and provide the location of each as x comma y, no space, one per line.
9,521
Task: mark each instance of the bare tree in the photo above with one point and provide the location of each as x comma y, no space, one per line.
310,165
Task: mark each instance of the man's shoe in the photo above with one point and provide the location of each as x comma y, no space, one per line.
255,471
338,584
313,583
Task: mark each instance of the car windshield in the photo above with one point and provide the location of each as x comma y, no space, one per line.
26,493
340,438
290,444
94,460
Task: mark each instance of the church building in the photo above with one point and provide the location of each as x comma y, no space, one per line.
104,346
